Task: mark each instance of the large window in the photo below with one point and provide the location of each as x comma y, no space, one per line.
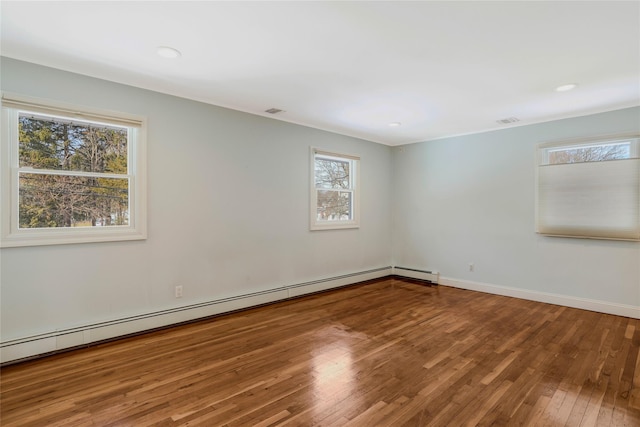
334,192
70,177
590,189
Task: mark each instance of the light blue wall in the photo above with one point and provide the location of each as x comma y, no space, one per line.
228,213
470,199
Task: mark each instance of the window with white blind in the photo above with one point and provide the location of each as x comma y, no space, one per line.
334,190
589,188
70,175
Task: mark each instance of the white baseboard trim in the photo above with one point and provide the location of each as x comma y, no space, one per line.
568,301
55,341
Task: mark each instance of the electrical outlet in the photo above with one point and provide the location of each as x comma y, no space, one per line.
178,290
471,266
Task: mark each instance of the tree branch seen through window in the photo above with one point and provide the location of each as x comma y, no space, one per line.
589,153
74,182
334,193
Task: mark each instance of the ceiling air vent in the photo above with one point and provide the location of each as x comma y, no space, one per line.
273,111
508,120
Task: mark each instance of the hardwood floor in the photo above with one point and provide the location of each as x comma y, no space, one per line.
388,353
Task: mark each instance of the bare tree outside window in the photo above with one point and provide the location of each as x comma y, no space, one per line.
332,176
335,192
589,153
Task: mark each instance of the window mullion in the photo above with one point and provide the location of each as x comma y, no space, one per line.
72,173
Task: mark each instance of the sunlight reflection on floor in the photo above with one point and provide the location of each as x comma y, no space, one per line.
334,373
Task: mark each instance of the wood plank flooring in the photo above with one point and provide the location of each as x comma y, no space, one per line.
387,353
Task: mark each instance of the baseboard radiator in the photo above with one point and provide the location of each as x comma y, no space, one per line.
56,341
412,273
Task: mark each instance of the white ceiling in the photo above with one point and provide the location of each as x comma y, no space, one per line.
439,68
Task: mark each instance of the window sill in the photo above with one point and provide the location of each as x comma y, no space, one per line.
334,226
65,237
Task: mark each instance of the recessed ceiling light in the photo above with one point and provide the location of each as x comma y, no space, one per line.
394,124
168,52
566,87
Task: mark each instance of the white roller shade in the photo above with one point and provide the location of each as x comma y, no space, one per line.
592,199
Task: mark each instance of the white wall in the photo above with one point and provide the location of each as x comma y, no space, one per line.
471,199
228,200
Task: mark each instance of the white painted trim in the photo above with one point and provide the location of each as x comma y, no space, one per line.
564,300
30,346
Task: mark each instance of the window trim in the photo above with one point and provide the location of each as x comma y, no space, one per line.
314,224
13,236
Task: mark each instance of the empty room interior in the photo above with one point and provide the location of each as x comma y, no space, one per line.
320,213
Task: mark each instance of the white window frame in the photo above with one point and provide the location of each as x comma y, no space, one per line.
354,176
596,199
11,235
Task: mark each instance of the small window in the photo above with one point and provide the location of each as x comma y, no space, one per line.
70,177
334,192
590,152
589,189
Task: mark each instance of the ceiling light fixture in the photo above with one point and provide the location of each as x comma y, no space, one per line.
168,52
394,124
566,87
